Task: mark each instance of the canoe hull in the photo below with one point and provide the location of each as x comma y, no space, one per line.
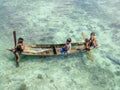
50,49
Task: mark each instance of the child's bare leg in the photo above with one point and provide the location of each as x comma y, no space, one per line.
17,56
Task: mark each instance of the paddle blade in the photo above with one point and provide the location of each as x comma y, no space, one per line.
9,49
83,35
90,56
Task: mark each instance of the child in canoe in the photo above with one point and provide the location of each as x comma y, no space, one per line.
92,41
66,49
87,44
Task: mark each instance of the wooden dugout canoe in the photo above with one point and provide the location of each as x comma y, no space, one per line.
50,49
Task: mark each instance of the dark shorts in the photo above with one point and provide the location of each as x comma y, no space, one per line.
18,50
92,45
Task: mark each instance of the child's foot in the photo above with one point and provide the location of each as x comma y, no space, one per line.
17,64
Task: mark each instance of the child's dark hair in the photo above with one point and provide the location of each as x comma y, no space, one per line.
20,39
69,40
93,33
86,40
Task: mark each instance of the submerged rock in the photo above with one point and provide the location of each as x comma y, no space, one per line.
67,68
23,86
117,73
51,81
40,76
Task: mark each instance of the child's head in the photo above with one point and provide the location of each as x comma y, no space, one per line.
20,40
92,34
86,40
68,40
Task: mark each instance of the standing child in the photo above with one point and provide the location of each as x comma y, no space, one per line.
92,40
19,49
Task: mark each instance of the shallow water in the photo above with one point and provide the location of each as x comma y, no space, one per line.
52,21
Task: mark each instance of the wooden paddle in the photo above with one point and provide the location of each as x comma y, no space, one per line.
14,36
89,52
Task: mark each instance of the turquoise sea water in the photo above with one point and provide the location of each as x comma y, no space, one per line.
52,21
